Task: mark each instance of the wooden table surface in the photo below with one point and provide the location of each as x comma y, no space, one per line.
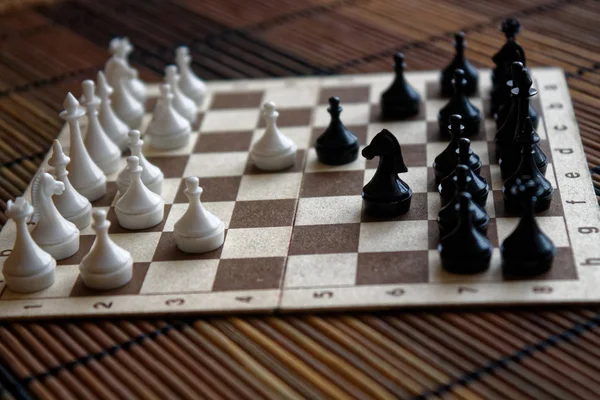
48,47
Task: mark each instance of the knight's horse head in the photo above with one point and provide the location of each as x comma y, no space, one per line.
43,188
385,144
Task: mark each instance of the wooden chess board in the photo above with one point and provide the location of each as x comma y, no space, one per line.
298,239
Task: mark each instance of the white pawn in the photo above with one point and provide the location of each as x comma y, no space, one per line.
103,151
72,205
182,104
107,265
28,268
139,207
86,177
189,84
168,129
113,126
52,232
126,106
273,151
198,231
152,176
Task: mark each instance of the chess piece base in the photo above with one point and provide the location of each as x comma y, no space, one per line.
141,221
118,278
82,218
467,266
94,191
204,244
343,155
386,209
170,142
275,163
394,112
526,268
62,250
33,283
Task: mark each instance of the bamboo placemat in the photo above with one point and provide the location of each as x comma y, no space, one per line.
48,47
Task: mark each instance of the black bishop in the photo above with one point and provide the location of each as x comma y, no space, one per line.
337,145
400,100
459,62
459,104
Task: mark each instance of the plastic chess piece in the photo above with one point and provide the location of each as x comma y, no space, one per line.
465,250
190,84
337,145
445,163
476,185
459,104
113,126
103,151
138,207
27,268
168,129
198,231
400,100
52,232
121,48
71,205
182,104
505,133
527,251
273,151
85,176
129,109
448,218
386,194
152,176
106,265
511,158
459,62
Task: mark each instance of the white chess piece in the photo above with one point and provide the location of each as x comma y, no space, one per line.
182,104
273,151
135,84
152,176
125,105
189,84
113,126
28,268
86,177
52,232
168,129
71,205
139,207
107,265
103,151
198,231
120,48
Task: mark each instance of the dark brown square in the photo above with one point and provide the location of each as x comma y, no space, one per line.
133,287
435,135
414,155
392,268
198,123
323,239
167,250
85,244
354,94
433,90
290,117
171,166
360,131
434,233
237,100
223,142
224,188
249,274
375,115
555,210
106,200
263,213
417,211
116,228
252,169
563,268
545,146
338,183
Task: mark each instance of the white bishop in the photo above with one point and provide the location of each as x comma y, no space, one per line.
182,104
168,129
152,176
273,151
113,126
197,231
192,86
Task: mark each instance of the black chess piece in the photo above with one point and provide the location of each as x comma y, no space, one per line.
445,163
511,156
337,145
400,100
476,185
510,109
386,194
528,168
459,62
459,104
448,218
465,250
527,251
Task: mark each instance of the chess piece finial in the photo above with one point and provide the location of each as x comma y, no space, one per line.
337,145
510,27
400,100
459,104
182,104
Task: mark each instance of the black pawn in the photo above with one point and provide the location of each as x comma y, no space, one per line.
400,100
508,111
459,62
465,250
460,104
448,218
476,185
445,163
337,145
511,158
386,194
527,251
